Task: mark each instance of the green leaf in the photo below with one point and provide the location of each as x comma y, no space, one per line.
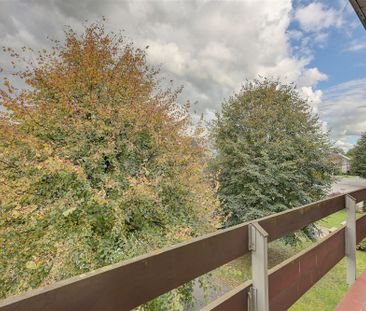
31,265
68,211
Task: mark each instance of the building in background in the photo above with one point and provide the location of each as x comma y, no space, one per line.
343,162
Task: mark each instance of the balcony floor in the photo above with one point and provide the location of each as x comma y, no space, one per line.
355,298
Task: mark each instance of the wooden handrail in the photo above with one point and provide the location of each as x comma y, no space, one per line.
289,280
131,283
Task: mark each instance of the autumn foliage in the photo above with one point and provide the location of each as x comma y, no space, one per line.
98,161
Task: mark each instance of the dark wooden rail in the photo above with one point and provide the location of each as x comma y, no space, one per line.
133,282
292,278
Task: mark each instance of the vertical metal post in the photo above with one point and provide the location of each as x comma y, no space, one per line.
258,245
350,238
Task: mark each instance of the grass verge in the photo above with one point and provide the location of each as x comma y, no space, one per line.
328,292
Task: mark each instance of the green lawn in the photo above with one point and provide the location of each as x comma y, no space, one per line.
326,294
334,220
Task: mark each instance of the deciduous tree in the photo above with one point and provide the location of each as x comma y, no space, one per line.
358,156
272,154
96,159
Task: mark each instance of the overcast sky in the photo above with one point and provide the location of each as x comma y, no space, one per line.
211,47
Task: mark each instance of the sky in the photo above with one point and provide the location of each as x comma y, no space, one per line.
212,47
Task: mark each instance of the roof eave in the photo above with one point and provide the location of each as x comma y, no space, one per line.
360,12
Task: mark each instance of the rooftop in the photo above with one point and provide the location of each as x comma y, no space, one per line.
360,8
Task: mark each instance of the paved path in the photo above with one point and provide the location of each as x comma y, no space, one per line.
344,184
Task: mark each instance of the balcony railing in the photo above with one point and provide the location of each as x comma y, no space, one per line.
128,284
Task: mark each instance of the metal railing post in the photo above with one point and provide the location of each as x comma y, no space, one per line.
258,245
350,237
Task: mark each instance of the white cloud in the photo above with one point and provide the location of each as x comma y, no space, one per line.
175,60
344,145
313,96
344,109
210,47
356,46
312,76
316,17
